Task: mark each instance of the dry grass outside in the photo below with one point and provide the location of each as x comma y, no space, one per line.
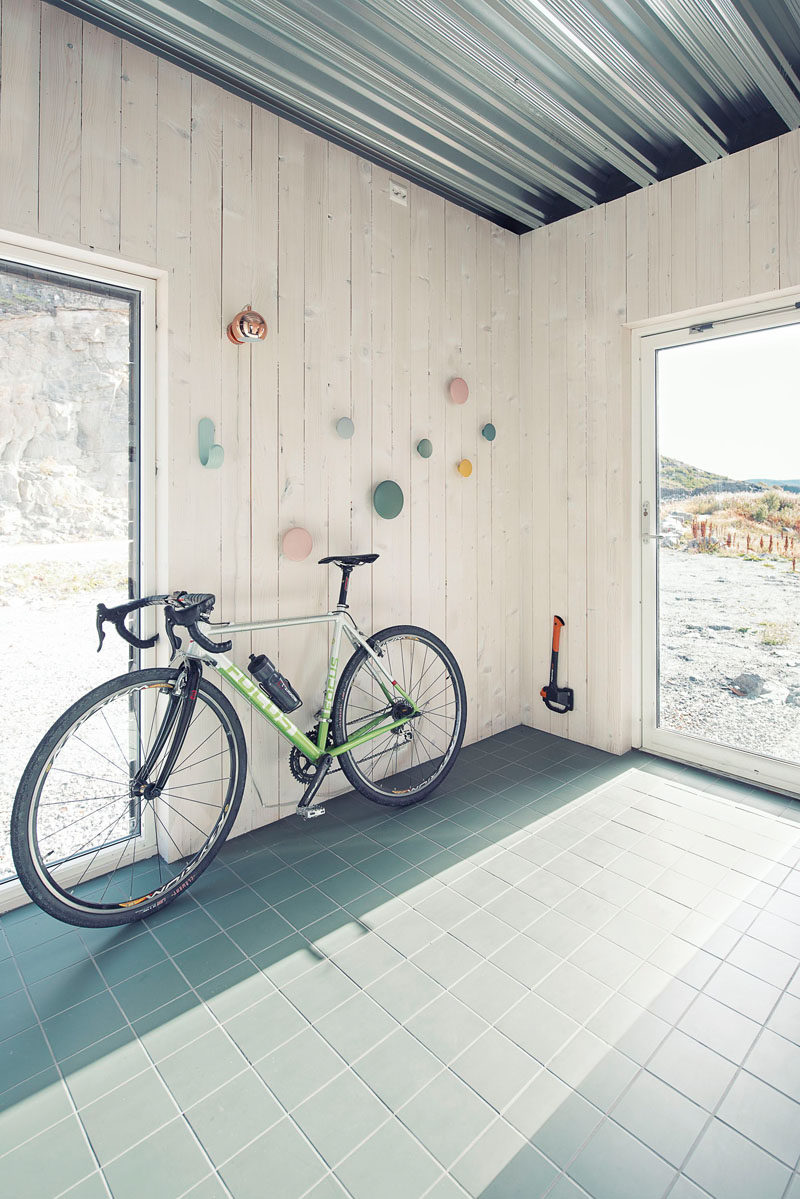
747,525
775,633
49,581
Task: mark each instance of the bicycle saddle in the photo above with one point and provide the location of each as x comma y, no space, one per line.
349,559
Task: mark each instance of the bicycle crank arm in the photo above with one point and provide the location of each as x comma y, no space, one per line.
304,808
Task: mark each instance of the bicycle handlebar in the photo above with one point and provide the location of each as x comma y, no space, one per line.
184,608
116,616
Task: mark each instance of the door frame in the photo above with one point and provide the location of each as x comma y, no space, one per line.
152,285
726,319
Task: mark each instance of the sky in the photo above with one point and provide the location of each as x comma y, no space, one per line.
732,405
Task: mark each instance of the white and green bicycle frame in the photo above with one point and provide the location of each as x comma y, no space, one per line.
246,686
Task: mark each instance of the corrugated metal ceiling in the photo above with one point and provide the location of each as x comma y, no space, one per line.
522,110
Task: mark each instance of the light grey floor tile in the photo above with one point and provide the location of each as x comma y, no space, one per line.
614,1165
730,1167
763,1114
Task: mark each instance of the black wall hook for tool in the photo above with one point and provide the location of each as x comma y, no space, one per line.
557,699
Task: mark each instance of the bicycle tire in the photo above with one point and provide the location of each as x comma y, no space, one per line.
410,784
36,876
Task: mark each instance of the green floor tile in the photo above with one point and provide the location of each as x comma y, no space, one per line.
209,1188
446,1027
235,905
488,991
356,1026
49,1163
730,1167
130,958
368,959
661,1117
187,931
103,1066
298,1068
764,1115
265,1026
446,959
127,1114
208,959
495,1068
171,1161
201,1067
173,1025
83,1025
149,990
56,954
777,1062
614,1165
235,990
16,1014
537,1027
447,1116
500,1165
397,1068
31,1107
260,932
320,866
340,1116
306,907
321,991
93,1187
281,1158
66,988
234,1115
390,1164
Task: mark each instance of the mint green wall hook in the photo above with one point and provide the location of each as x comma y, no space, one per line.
211,455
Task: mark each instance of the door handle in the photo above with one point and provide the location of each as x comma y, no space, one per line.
646,534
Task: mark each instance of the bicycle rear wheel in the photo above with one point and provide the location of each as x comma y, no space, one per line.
94,847
403,766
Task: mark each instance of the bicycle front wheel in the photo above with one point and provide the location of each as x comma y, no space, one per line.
94,843
403,766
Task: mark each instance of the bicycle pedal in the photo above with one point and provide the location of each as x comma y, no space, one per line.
309,813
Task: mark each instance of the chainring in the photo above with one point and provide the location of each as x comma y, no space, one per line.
301,767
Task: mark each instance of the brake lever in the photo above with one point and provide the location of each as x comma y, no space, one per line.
102,612
103,615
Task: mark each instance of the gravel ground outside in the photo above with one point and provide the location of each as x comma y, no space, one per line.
47,616
721,618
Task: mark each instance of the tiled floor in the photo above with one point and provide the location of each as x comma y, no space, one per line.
565,975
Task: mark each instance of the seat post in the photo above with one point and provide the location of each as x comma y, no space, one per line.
346,572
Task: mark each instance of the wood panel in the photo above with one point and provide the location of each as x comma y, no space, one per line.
60,142
725,231
19,114
100,139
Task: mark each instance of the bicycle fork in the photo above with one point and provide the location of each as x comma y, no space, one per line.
175,725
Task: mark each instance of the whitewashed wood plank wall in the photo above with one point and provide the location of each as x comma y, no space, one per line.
372,308
725,231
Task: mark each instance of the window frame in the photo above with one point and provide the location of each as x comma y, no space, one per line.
151,285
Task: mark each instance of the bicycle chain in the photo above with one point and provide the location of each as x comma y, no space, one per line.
303,769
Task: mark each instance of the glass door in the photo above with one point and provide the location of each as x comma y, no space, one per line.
720,531
71,487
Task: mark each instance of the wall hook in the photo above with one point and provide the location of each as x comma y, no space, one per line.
246,326
211,455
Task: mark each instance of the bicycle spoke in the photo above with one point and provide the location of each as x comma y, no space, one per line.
86,815
116,742
97,751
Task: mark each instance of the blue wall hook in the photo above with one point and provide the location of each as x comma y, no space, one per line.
211,455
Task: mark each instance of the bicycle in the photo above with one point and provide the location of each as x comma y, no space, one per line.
116,814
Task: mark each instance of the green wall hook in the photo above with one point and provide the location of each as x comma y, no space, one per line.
211,455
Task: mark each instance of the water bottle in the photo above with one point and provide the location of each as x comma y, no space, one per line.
270,680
